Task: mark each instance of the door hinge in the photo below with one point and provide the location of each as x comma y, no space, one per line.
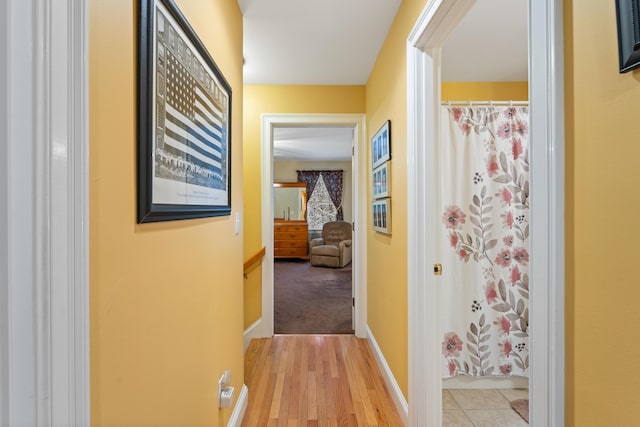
353,226
353,302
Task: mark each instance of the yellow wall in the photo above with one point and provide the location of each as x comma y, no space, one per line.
387,255
603,203
485,91
166,298
276,99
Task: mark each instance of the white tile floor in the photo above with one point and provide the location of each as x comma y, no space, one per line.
482,408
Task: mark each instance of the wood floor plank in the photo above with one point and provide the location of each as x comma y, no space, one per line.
274,412
315,380
312,401
267,397
283,418
259,384
294,391
251,357
333,363
329,396
321,405
304,377
345,399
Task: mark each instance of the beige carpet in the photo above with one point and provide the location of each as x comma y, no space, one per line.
521,406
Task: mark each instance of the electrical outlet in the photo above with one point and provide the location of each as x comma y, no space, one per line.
225,392
226,398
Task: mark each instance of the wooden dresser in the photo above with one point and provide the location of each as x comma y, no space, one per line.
291,239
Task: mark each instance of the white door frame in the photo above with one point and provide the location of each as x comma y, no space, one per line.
44,280
546,382
358,123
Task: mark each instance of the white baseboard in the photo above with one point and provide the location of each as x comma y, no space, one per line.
241,407
253,331
396,394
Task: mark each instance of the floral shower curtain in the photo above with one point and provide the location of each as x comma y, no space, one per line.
485,223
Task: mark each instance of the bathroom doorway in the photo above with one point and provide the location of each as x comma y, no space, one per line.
547,254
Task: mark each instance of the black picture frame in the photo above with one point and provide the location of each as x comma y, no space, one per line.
381,145
628,21
184,121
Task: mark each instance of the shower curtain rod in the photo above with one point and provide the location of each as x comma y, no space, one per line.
490,102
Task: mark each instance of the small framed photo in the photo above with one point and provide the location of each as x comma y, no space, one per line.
628,20
381,145
382,216
382,181
184,121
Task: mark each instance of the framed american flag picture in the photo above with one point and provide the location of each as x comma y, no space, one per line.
184,121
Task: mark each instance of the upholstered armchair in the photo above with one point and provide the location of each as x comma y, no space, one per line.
333,249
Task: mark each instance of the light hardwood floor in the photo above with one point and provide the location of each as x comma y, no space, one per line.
315,380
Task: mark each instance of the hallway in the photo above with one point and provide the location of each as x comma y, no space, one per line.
315,380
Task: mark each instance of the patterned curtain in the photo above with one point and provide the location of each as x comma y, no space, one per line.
332,181
311,178
485,223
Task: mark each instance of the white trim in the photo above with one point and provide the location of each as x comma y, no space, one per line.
546,89
18,327
5,226
253,331
358,122
396,393
69,211
240,409
547,215
45,371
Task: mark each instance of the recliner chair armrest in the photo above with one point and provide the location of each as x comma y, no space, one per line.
318,241
344,243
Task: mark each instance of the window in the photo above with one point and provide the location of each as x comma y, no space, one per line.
320,207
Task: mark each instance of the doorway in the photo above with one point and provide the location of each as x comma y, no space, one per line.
357,123
313,186
484,193
546,392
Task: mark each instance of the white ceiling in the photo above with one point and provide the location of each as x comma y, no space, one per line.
489,44
321,42
312,143
315,42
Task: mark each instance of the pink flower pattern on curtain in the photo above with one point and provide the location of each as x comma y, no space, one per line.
333,182
486,226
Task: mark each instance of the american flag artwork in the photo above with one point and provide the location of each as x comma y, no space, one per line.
190,164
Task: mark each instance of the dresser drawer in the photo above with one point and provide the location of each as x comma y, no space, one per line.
290,252
290,244
291,235
280,228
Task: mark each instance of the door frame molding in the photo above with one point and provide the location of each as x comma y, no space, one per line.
546,382
44,297
359,169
